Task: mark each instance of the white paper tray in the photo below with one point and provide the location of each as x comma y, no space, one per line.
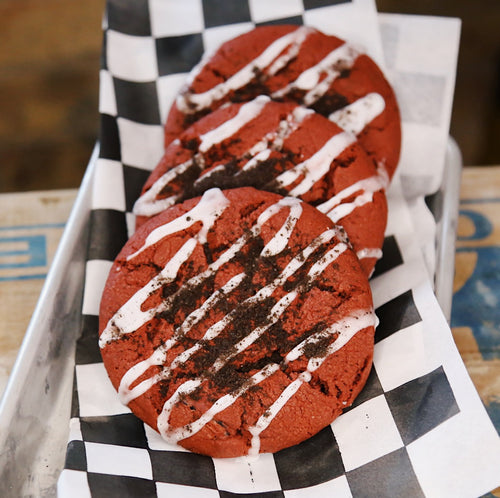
35,409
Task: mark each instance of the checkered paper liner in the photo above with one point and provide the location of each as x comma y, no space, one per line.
418,427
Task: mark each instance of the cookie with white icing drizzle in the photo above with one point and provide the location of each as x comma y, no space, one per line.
238,322
278,147
303,65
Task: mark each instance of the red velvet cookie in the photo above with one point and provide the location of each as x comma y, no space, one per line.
237,323
303,65
279,147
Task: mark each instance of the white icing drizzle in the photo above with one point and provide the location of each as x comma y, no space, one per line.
130,316
255,160
288,126
336,210
210,207
273,316
354,117
300,113
159,356
274,140
331,66
317,166
148,204
189,103
283,60
267,417
319,266
118,324
246,113
315,80
310,78
209,172
134,318
175,435
369,252
345,330
278,309
341,211
282,236
214,330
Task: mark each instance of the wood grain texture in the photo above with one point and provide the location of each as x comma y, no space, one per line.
48,91
475,316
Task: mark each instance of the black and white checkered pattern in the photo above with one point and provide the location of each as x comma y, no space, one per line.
395,439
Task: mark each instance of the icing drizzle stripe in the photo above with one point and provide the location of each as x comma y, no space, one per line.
311,170
330,67
214,330
246,113
193,102
369,252
149,202
354,117
130,316
345,329
317,166
210,207
159,356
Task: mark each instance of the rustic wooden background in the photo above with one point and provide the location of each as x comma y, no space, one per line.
49,59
